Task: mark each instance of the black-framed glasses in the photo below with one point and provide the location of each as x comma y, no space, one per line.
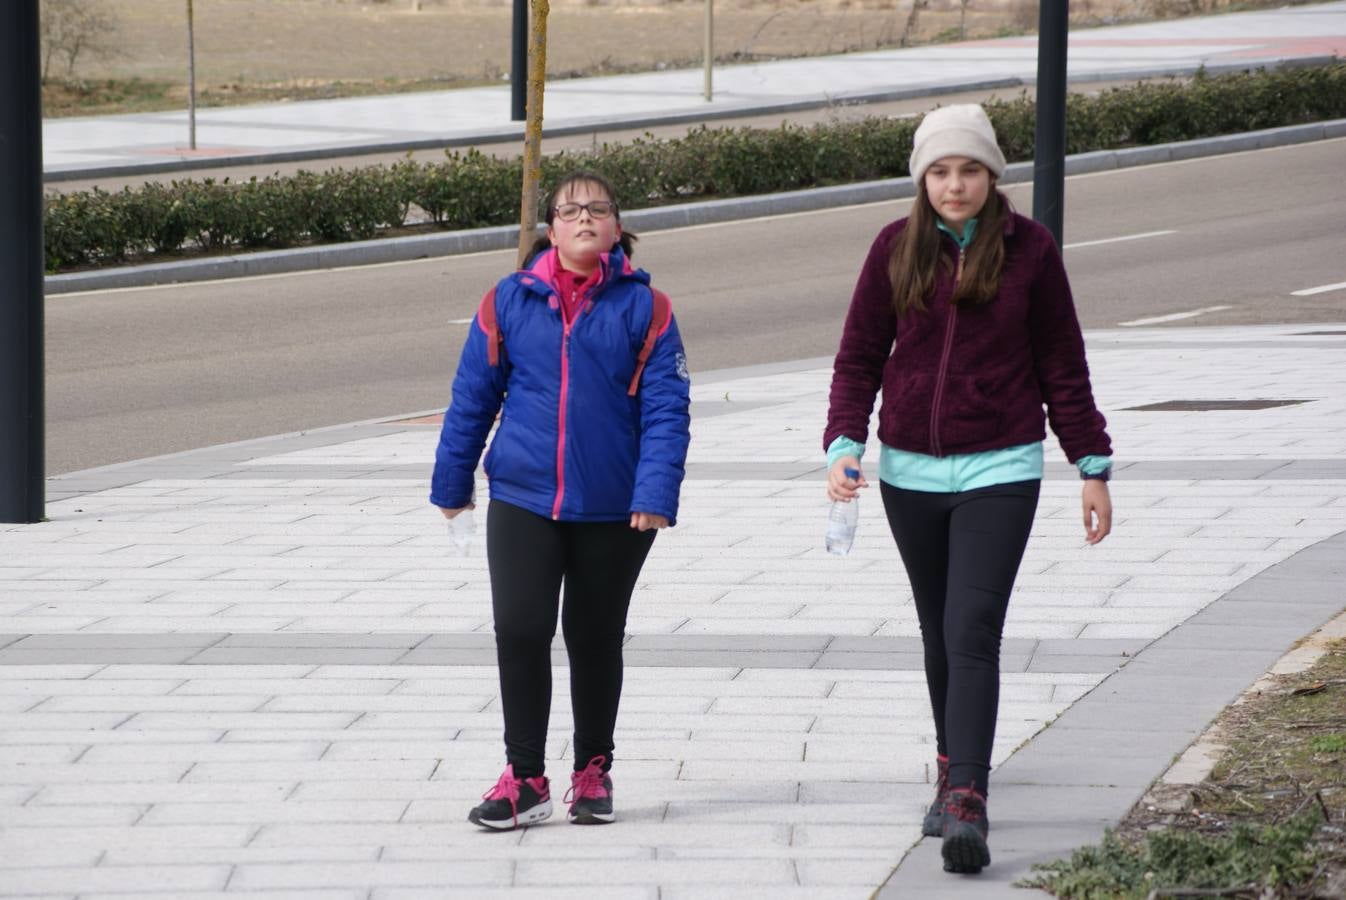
598,209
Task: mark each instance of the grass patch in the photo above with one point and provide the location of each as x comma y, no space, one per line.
1268,823
114,96
107,96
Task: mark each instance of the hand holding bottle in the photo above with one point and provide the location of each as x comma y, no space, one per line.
845,479
844,515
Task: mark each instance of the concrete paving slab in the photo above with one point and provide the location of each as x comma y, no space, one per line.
714,663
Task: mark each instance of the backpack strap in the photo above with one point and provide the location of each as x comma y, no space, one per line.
659,319
486,322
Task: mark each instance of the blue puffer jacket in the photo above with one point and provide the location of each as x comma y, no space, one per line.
571,445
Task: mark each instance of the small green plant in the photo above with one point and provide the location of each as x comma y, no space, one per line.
1248,859
1328,743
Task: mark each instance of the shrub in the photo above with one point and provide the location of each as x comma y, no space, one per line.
471,189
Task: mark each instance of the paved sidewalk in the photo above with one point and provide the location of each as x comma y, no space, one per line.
256,670
95,146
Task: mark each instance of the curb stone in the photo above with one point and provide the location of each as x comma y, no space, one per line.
514,131
384,250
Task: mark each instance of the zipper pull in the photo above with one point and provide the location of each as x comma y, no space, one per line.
958,276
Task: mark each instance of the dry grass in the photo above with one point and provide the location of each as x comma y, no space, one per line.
1286,755
251,51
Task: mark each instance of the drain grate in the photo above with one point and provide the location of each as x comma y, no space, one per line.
1315,333
1212,405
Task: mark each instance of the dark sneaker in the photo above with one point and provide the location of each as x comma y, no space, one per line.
513,802
933,824
590,795
965,829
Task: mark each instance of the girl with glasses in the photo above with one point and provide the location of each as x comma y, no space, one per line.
963,316
585,468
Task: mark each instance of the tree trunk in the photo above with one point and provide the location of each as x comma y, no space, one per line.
532,142
913,19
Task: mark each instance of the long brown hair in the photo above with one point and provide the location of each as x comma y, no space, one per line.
916,254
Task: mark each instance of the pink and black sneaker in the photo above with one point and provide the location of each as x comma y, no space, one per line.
513,803
590,795
965,829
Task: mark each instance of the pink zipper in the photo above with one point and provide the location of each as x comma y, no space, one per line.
561,422
565,392
944,361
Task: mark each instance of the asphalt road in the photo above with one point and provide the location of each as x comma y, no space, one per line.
137,373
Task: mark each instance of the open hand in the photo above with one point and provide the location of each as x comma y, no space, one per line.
1097,503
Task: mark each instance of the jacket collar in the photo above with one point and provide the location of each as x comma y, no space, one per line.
1011,226
969,232
540,275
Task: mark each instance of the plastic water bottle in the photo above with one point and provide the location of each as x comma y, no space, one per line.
461,528
842,520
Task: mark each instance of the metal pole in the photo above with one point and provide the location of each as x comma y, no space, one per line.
191,78
518,63
710,45
22,444
1049,154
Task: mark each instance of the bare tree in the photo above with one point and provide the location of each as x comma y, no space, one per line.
909,30
532,141
74,28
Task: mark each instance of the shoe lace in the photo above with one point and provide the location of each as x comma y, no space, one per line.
506,788
587,783
965,805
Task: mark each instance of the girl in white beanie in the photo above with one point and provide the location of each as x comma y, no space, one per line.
963,315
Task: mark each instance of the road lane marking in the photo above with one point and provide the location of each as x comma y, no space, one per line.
1323,289
467,321
1128,237
1173,317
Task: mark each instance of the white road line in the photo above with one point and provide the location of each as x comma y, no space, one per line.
1129,237
1173,317
460,321
1309,292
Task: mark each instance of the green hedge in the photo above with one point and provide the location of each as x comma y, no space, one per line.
471,189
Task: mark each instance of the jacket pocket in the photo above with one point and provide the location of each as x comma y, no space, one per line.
969,410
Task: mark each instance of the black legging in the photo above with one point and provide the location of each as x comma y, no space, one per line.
528,556
962,551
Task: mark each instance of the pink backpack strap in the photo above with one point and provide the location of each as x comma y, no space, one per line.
486,322
659,319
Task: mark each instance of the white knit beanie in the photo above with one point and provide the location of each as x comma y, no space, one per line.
960,130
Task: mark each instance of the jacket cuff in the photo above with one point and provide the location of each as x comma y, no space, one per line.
843,446
1094,466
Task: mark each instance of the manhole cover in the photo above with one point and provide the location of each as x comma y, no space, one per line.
1212,405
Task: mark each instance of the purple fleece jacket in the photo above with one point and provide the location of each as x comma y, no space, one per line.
972,378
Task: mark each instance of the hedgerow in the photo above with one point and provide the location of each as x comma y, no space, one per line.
471,189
